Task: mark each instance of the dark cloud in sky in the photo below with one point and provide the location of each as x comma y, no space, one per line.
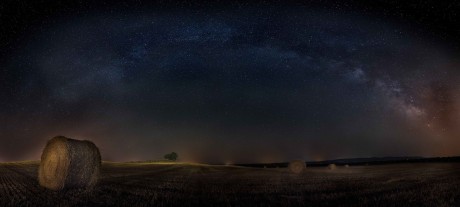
248,85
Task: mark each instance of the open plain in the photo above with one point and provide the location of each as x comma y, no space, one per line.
188,184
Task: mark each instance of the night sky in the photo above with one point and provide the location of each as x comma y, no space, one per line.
231,82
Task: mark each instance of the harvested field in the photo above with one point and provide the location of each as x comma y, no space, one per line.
145,184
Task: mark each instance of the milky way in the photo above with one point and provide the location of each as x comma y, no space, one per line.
250,85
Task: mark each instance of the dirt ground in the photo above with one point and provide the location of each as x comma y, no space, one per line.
147,184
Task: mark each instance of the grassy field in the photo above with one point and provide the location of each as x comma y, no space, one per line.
144,184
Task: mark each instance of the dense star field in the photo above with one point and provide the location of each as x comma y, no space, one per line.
217,83
229,103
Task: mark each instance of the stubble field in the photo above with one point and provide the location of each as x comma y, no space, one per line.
147,184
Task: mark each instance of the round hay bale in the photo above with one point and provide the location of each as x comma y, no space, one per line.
297,166
332,166
69,163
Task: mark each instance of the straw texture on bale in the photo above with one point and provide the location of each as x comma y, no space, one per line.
69,163
332,166
297,166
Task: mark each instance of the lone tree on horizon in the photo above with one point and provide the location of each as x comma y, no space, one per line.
171,156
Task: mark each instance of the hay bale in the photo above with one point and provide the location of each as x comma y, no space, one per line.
297,166
69,163
332,166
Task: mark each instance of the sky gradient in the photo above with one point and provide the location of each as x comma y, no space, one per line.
253,84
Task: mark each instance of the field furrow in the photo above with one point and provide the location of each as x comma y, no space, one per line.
139,184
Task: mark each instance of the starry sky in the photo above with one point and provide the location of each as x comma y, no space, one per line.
231,82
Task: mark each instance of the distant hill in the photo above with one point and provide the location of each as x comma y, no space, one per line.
360,161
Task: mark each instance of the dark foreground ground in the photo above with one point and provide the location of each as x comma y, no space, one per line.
137,184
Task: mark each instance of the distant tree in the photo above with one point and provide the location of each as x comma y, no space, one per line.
171,156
